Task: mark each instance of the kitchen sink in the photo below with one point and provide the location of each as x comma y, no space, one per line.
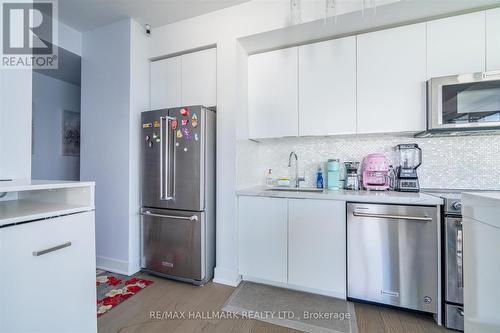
295,189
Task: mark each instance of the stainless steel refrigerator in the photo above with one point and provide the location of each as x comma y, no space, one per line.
178,193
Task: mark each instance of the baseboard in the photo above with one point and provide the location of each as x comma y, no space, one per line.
113,265
227,277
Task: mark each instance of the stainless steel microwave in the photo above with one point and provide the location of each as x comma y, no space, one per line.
465,102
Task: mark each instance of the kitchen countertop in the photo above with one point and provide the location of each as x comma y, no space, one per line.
482,207
389,197
36,184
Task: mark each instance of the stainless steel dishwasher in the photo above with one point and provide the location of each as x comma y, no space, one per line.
392,255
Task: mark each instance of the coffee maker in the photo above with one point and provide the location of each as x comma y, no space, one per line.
409,158
352,177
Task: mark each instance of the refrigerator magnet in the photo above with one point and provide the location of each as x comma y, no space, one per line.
174,124
185,112
185,122
195,136
179,134
147,125
187,133
156,124
194,120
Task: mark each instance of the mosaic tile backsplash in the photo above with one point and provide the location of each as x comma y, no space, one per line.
458,163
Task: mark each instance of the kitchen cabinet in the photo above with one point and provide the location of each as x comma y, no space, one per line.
456,45
166,83
493,39
262,233
391,79
199,78
317,245
273,94
327,87
189,79
51,292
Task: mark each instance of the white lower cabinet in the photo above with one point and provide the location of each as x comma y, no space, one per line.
317,245
54,291
295,243
262,233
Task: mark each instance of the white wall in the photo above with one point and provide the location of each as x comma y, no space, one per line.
223,28
139,101
69,38
105,149
50,98
15,123
115,90
15,112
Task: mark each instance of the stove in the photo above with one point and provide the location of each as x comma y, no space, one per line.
452,256
452,199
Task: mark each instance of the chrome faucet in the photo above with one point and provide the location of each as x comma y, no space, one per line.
297,178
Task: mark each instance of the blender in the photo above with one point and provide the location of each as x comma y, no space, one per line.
409,158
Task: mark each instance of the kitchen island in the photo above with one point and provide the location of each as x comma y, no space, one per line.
47,256
481,265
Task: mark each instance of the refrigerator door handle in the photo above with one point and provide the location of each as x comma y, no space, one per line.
165,159
192,218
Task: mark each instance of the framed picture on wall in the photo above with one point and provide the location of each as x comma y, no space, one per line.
70,133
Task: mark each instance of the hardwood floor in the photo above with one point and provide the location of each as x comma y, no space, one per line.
138,314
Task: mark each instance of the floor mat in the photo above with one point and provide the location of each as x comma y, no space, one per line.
113,289
292,309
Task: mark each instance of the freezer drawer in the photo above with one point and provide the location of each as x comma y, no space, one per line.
392,255
173,243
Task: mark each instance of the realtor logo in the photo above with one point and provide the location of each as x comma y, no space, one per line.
28,34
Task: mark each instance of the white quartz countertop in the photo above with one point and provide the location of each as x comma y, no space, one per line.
389,197
483,207
17,185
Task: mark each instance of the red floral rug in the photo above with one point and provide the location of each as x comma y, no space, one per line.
113,289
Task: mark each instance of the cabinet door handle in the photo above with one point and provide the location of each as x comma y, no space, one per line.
52,249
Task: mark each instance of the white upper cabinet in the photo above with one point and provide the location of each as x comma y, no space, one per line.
273,94
391,79
327,87
166,83
190,79
493,39
199,78
456,45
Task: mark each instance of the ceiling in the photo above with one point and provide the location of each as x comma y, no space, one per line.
84,15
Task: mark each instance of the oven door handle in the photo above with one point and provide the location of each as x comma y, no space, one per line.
459,254
396,217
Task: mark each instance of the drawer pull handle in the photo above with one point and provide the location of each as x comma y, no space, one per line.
52,249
